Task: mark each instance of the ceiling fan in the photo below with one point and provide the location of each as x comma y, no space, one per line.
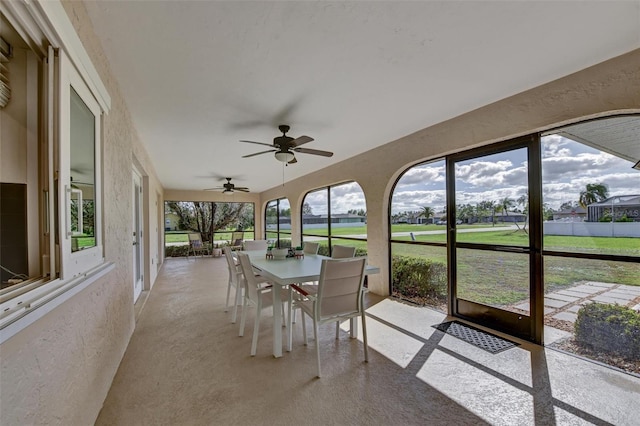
285,147
229,188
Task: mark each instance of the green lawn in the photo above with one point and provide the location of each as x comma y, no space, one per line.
182,236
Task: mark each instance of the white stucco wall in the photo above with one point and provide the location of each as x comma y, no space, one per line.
59,369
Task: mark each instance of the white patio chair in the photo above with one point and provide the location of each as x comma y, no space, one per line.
257,245
256,294
310,248
339,298
341,252
235,280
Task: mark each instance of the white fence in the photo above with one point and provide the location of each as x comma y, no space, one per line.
593,229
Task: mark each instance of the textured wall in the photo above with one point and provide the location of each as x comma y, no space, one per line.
611,86
59,369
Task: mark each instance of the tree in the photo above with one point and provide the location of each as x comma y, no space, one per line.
427,212
569,205
484,208
594,193
523,201
306,209
208,217
505,204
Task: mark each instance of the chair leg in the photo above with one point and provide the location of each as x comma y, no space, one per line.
304,328
364,338
256,330
243,318
226,305
337,330
237,302
315,334
289,322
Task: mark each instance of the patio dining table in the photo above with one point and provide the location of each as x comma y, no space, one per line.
283,272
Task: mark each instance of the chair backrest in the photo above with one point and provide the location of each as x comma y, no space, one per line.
311,248
255,245
237,237
251,284
231,265
195,240
340,252
340,287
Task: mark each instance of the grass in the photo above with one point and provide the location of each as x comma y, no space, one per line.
219,237
500,279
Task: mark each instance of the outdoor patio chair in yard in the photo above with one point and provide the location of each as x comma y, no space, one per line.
237,238
196,245
339,297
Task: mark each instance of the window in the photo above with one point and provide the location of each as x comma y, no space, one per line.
336,215
419,235
277,222
51,130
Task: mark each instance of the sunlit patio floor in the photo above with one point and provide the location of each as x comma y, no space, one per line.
185,364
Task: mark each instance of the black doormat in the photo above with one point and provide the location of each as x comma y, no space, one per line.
487,341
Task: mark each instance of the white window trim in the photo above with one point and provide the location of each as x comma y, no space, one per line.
37,21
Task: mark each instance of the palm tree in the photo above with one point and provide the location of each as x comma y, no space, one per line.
505,204
523,201
594,192
427,212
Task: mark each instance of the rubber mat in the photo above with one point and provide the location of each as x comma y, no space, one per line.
480,338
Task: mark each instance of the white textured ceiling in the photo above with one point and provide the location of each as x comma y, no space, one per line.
198,76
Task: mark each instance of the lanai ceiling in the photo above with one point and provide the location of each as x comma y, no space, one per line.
198,76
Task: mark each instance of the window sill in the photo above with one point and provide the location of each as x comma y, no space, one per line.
31,310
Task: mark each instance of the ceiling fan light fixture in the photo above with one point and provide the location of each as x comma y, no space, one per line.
284,156
227,192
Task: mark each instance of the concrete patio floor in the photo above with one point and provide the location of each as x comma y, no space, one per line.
186,365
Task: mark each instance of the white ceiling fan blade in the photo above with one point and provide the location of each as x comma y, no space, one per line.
301,140
258,153
313,151
258,143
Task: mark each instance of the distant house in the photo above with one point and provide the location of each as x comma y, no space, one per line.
574,214
622,205
510,218
312,219
171,221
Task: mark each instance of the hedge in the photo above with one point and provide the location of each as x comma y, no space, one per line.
416,277
612,329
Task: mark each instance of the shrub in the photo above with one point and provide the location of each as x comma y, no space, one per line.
415,277
612,329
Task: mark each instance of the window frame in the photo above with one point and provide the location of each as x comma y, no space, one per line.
329,237
46,29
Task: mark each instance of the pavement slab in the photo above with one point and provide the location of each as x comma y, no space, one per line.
552,303
566,316
607,299
574,308
588,289
619,295
571,293
562,297
599,284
